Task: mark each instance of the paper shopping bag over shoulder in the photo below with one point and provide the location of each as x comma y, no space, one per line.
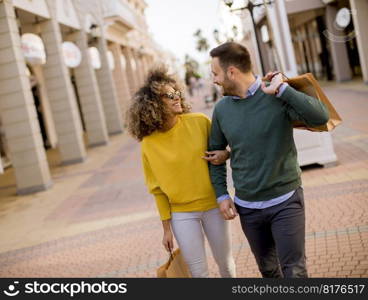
307,84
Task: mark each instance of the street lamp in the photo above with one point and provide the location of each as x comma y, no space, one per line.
250,7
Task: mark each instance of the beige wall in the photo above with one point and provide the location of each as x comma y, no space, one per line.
295,6
38,7
57,97
17,109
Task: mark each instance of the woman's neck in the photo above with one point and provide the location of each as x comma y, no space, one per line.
170,123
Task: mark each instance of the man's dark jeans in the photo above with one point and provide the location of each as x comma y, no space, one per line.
277,237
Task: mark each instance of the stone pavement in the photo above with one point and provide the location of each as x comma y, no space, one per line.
99,221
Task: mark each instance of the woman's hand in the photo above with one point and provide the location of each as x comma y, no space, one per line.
217,157
168,241
227,209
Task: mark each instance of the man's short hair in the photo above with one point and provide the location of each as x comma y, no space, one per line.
233,54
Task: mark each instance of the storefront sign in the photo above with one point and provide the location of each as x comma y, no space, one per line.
95,57
33,49
72,54
343,17
110,59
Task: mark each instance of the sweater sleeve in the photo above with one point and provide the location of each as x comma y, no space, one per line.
162,201
304,108
208,128
218,173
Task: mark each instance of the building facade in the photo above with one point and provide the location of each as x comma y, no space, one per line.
327,37
67,72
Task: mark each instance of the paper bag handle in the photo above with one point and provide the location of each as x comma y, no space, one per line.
276,73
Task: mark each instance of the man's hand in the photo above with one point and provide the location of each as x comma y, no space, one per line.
227,209
217,157
275,78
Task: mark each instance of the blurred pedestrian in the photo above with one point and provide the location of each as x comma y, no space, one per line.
188,76
192,85
256,120
216,93
173,143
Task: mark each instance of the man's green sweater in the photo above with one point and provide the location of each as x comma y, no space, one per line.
259,131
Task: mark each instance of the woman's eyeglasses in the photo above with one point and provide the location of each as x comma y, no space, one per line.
173,96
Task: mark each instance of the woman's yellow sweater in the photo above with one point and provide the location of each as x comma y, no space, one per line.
175,172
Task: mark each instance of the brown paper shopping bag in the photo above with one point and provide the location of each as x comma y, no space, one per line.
175,267
307,84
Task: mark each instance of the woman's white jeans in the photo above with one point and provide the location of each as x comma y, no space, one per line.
189,229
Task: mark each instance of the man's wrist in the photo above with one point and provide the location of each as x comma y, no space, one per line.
223,198
277,90
281,89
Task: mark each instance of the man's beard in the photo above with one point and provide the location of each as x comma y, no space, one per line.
228,87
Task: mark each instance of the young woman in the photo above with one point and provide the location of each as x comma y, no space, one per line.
173,143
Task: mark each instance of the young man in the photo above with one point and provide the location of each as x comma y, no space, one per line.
255,120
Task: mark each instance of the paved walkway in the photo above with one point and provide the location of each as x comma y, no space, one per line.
99,221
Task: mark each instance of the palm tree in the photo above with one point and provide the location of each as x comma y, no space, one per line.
202,43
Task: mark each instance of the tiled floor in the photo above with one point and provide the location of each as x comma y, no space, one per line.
99,221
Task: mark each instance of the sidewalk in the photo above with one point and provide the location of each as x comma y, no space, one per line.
99,221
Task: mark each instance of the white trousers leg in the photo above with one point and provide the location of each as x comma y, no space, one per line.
189,229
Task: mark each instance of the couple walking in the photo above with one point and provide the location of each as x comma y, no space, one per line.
184,158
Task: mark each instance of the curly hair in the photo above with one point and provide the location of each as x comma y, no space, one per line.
147,112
